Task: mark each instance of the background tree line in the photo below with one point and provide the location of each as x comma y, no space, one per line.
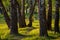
18,8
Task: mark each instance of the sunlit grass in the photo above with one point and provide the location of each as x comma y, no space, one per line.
31,33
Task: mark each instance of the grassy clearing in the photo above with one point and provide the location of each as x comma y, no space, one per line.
29,33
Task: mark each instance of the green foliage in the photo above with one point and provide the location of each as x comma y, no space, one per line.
1,19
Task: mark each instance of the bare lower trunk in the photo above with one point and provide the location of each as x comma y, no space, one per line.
32,7
42,18
14,27
57,17
49,19
19,14
23,13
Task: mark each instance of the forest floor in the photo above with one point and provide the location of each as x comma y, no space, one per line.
27,33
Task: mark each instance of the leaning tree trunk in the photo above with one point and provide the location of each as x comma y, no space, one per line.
42,18
7,19
14,27
23,13
32,7
49,18
57,17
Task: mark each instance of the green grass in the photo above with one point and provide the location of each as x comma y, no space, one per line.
29,33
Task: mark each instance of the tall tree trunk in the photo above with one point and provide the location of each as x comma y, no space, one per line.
32,7
19,14
14,27
42,18
26,6
49,19
57,17
23,13
7,19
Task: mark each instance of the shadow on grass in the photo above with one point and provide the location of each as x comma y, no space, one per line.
21,36
25,36
51,37
55,36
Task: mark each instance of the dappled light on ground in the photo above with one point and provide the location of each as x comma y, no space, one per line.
27,33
